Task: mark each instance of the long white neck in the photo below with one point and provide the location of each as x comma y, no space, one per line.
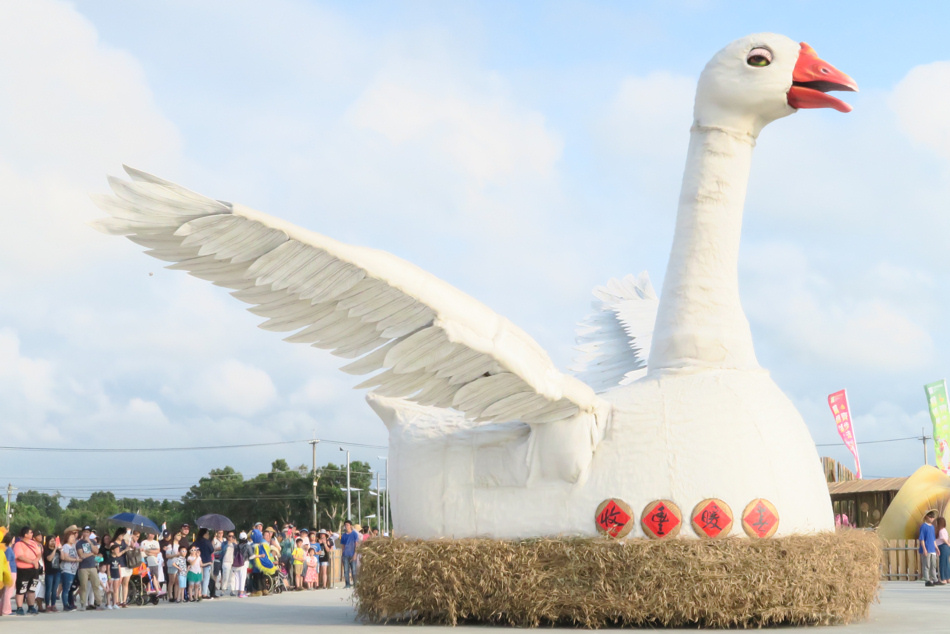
700,323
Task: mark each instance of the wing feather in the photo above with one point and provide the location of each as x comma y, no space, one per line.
423,339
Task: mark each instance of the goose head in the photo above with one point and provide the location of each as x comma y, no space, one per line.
763,77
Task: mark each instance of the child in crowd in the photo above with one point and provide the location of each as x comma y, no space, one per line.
181,567
108,599
313,569
115,573
298,555
194,574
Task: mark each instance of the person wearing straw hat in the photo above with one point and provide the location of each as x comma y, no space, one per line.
68,564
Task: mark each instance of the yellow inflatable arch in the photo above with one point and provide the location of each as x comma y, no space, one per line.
927,489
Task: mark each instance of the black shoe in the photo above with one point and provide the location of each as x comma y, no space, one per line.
928,584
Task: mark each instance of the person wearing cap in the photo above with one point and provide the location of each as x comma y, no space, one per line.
349,539
242,555
185,539
88,570
69,565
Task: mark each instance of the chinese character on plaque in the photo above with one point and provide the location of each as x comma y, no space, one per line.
760,519
661,519
614,518
712,518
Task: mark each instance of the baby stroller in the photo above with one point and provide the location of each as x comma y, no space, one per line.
139,584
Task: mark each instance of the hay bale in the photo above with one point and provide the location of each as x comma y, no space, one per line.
596,582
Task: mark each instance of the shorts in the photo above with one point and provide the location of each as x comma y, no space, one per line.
115,573
324,564
125,572
182,581
194,577
26,580
298,568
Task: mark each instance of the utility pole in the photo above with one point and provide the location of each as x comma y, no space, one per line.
348,505
10,490
923,439
313,445
378,516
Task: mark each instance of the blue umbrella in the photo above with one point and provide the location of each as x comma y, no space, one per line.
134,520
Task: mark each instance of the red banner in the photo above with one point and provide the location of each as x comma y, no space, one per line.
838,402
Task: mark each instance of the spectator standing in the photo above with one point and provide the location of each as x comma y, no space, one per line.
943,549
151,552
121,536
88,572
116,547
69,565
313,568
227,563
298,554
171,555
242,555
206,551
181,573
9,591
928,550
218,542
29,560
194,574
349,539
326,545
286,543
51,562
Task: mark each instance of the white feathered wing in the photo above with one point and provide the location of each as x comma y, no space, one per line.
429,342
614,340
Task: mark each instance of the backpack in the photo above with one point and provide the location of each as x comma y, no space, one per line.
238,557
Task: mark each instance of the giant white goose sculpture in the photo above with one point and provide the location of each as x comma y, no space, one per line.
487,437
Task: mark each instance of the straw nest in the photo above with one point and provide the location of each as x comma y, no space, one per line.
594,582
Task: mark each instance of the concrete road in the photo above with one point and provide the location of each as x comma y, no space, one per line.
904,607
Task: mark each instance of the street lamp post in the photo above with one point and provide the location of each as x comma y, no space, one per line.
386,507
377,504
348,505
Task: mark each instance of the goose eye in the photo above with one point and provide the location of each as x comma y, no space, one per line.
759,57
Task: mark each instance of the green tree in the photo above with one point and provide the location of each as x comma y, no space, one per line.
29,515
45,503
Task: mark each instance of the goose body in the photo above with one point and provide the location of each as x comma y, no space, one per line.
487,438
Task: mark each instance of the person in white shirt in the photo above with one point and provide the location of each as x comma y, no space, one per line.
152,551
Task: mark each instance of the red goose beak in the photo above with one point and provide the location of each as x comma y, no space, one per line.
813,78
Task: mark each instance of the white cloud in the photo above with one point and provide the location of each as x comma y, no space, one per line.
72,110
25,379
816,320
921,101
233,386
487,137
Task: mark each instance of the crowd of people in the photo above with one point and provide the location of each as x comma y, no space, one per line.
82,571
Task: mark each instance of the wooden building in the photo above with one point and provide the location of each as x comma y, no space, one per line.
864,501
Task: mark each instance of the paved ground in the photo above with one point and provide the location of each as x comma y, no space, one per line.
904,607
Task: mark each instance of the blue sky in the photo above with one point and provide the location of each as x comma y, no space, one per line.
525,152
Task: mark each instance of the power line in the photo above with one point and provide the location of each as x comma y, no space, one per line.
868,442
161,449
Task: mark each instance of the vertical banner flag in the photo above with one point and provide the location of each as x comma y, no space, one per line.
940,415
838,402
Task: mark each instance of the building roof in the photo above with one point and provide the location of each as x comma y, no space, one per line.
874,485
